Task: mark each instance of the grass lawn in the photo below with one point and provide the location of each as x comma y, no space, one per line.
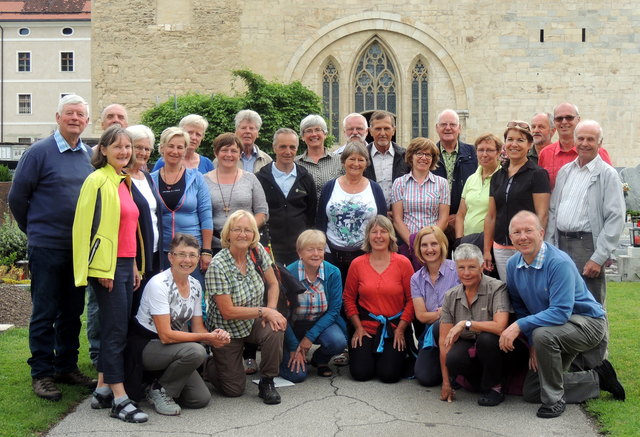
24,414
623,307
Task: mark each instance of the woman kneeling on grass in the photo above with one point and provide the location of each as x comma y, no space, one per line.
171,300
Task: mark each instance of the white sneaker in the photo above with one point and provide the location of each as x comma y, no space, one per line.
162,402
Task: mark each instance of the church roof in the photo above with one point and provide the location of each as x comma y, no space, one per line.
45,10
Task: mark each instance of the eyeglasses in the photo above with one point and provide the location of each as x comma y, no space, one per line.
487,151
521,124
183,255
312,130
559,118
446,125
424,155
356,129
142,149
239,231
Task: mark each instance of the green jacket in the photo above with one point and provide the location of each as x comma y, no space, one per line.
96,225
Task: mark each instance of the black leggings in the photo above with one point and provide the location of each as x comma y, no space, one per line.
427,368
485,369
365,363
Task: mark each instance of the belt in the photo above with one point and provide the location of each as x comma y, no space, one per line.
575,235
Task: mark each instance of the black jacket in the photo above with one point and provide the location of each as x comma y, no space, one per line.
400,167
466,165
289,216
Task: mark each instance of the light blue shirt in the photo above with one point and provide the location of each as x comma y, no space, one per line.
63,146
284,180
249,161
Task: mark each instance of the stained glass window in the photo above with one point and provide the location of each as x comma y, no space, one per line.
375,81
419,101
331,98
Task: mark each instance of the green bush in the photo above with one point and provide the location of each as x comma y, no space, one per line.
5,173
279,105
13,242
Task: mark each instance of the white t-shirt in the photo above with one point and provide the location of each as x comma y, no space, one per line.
161,296
348,215
145,189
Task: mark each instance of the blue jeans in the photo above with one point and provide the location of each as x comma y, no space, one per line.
332,341
57,305
93,325
115,308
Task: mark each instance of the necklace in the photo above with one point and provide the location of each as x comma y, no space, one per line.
226,206
176,179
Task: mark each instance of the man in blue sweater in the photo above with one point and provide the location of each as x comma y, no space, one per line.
559,317
43,200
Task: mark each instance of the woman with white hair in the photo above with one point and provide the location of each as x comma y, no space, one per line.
148,202
196,127
472,317
322,165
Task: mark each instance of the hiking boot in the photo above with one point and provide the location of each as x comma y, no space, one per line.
551,411
76,377
162,402
267,391
46,389
609,380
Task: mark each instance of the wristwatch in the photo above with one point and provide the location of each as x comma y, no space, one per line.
467,325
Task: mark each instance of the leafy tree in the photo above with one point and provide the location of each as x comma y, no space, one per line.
279,105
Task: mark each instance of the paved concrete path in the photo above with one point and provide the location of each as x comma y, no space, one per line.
338,406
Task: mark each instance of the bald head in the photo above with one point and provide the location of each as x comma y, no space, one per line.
114,114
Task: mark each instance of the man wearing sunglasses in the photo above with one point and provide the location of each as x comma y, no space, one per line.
563,151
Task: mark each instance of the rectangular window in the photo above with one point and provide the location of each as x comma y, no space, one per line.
25,140
24,61
24,104
66,61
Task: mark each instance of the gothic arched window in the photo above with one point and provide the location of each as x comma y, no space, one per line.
419,101
375,81
331,98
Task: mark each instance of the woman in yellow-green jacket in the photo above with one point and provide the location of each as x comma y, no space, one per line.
106,238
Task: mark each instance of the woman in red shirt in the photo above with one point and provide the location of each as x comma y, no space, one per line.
377,301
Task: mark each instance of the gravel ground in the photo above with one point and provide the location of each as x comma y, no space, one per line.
15,305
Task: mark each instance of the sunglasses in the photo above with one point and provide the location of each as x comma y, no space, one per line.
519,124
559,118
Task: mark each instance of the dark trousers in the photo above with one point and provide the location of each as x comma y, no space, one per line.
57,305
482,366
365,363
115,309
427,369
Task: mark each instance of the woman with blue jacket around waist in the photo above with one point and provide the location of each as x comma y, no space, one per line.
106,239
317,318
186,205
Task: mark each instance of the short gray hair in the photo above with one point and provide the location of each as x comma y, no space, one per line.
355,148
103,114
194,120
313,120
355,115
586,123
552,123
249,115
451,111
139,132
72,99
283,131
468,251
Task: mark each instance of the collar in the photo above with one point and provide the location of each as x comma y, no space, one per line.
278,172
591,165
479,171
375,151
430,177
305,155
302,276
63,146
253,154
538,261
455,149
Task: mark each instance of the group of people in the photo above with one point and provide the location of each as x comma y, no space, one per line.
186,264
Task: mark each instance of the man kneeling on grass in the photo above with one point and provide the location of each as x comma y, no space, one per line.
560,318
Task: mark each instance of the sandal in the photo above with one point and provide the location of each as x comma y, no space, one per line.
324,371
130,416
341,360
99,401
